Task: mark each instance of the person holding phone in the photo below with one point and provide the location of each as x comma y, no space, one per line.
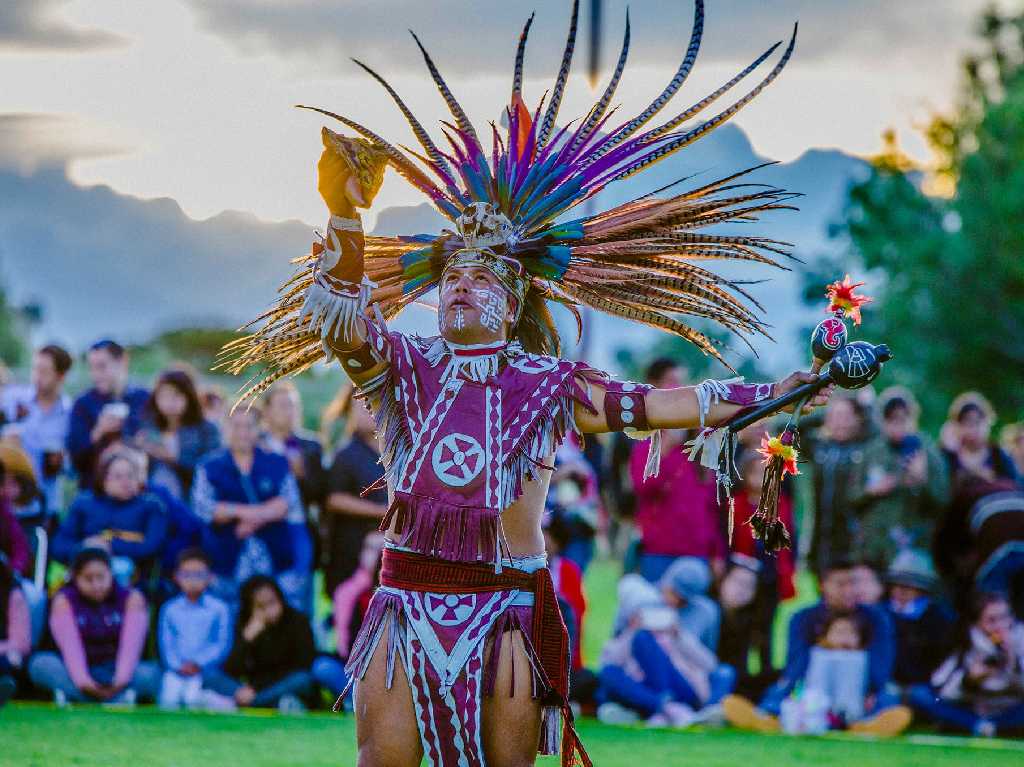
980,687
903,486
108,412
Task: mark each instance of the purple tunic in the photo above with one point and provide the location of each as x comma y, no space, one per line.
462,428
99,623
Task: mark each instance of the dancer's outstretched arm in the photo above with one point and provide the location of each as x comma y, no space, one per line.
680,408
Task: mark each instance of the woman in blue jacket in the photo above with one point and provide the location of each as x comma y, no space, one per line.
117,516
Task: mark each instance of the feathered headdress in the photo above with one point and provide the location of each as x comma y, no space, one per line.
639,260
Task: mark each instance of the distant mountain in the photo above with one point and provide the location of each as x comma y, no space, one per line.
104,263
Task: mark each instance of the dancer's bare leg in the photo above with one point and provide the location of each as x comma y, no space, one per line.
511,724
386,732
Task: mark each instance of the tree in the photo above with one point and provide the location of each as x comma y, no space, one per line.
947,272
14,324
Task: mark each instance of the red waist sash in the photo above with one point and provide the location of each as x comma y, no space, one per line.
549,637
416,572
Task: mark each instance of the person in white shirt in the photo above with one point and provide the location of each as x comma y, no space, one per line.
38,415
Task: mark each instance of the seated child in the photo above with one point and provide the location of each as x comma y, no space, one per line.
269,665
838,671
684,587
743,622
100,629
568,581
925,627
194,634
119,517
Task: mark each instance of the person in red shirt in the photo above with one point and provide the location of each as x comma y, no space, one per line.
568,580
676,512
754,584
779,568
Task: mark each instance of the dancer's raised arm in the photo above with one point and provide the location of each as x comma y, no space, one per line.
349,174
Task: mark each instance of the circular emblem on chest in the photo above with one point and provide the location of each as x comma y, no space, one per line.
533,363
457,459
450,609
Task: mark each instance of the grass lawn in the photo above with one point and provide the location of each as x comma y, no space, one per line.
37,735
41,736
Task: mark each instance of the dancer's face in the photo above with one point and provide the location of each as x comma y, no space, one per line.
474,306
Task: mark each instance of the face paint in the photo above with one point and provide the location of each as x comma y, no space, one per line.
493,308
460,318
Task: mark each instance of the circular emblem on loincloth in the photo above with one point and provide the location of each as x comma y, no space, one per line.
457,459
450,609
533,363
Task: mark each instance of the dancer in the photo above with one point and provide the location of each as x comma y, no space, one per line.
463,655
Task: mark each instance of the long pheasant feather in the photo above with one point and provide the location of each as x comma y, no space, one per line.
601,105
517,75
453,105
626,130
418,130
689,137
705,102
563,75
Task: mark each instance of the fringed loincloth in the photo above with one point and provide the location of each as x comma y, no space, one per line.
439,617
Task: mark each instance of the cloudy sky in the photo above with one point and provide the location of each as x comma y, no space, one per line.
191,99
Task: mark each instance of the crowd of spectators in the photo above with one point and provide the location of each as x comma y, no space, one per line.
917,548
155,546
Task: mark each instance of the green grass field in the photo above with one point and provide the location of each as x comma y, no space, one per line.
41,736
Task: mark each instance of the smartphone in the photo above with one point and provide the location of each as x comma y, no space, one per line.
116,409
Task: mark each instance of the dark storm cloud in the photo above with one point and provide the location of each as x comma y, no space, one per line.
33,25
485,31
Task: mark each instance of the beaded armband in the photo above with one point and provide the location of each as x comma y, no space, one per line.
625,410
625,406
